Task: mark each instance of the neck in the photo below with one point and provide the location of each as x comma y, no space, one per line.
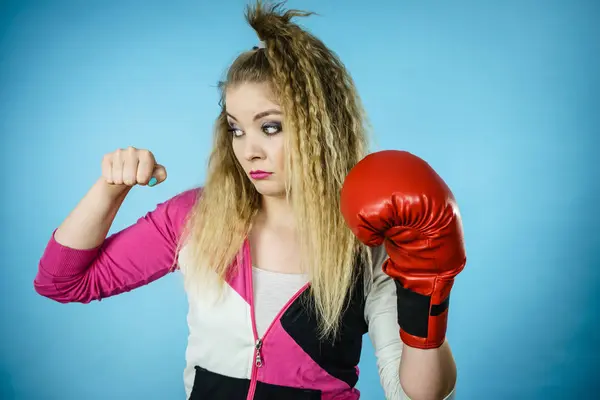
276,212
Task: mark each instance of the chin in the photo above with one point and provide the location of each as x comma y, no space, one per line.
270,189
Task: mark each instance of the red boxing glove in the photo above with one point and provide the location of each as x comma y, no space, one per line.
397,198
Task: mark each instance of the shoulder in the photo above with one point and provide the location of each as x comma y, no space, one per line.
378,256
184,201
177,208
381,293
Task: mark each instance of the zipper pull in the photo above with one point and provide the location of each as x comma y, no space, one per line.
258,359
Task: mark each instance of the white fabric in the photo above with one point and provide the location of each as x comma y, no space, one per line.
209,315
272,291
384,332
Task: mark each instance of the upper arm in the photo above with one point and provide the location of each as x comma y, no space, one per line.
130,258
384,331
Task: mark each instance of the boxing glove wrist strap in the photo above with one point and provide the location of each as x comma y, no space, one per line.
422,321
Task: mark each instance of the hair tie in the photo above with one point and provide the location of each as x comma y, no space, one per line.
261,45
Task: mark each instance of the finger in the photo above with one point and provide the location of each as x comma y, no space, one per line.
145,167
117,167
130,166
107,168
158,176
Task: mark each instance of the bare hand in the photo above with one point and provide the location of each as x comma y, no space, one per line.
131,166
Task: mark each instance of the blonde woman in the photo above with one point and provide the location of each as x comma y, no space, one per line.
284,250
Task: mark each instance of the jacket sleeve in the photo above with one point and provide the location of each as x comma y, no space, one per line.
128,259
384,331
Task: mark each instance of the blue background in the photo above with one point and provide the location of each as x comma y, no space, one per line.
502,98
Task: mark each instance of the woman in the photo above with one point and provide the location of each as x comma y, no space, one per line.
280,290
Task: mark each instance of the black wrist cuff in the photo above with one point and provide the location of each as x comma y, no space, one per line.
414,310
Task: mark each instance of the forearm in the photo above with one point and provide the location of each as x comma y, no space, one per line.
427,374
88,224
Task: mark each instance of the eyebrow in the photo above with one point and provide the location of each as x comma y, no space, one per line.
260,114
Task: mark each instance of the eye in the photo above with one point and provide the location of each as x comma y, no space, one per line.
271,128
235,132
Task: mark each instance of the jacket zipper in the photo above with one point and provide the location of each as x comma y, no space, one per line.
258,342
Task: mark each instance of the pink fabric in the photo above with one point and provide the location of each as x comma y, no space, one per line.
241,273
284,358
133,257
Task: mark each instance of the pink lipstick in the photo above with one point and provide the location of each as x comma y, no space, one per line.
259,174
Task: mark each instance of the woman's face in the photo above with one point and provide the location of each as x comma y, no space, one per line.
255,123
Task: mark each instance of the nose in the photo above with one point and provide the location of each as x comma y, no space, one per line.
253,148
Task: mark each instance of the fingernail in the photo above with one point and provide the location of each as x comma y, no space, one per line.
152,182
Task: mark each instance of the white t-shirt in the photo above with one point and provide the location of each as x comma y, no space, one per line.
272,290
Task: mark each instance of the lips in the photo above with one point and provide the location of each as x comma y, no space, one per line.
260,174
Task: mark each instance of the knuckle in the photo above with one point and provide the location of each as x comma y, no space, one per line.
146,155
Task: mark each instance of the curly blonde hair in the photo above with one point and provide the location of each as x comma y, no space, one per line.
326,136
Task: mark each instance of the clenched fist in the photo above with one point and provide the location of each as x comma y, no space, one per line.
131,166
